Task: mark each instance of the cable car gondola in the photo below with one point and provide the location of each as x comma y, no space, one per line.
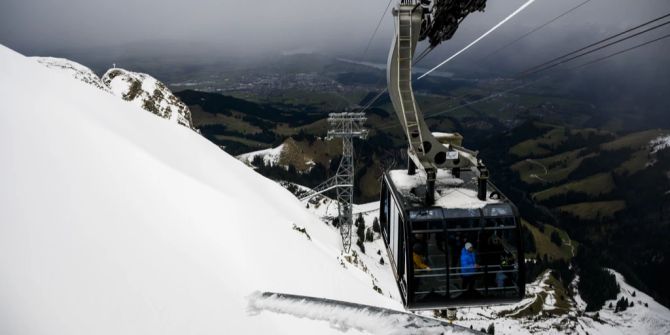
426,243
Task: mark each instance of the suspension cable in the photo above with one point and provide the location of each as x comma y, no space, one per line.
480,37
565,60
622,51
534,30
381,19
596,43
501,93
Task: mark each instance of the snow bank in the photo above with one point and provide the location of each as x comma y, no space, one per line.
116,222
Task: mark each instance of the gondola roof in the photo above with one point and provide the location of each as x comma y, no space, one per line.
450,191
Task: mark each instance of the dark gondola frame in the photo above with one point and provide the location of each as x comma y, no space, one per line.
400,255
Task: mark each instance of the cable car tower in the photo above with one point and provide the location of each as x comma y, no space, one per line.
453,239
346,126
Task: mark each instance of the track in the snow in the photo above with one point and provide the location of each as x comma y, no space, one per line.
346,315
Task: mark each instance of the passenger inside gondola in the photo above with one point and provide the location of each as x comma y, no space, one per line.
429,267
492,256
469,269
419,256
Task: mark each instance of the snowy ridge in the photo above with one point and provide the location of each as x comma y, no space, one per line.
75,69
148,93
142,89
280,156
124,224
270,156
659,144
645,316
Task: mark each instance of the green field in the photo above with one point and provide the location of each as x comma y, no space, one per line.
543,243
552,169
594,186
594,210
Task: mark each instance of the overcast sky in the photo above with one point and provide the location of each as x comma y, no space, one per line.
100,32
275,25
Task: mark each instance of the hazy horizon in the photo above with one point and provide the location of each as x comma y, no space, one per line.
206,27
230,35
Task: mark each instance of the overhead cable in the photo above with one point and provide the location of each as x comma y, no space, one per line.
381,19
536,29
563,59
595,43
480,37
622,51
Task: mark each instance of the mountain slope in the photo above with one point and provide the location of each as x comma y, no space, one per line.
606,190
148,93
140,88
75,69
121,223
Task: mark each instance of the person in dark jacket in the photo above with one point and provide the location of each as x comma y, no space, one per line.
492,254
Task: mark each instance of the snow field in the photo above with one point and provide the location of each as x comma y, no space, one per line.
114,221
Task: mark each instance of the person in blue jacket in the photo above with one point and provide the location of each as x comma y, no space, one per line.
468,267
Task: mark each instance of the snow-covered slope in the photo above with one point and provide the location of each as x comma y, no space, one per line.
75,69
644,316
301,155
147,92
659,144
142,89
113,221
269,156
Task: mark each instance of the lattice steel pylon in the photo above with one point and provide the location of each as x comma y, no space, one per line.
347,126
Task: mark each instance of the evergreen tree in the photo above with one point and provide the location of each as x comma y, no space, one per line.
360,229
375,225
621,305
529,241
360,245
596,285
258,161
556,238
360,220
369,236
